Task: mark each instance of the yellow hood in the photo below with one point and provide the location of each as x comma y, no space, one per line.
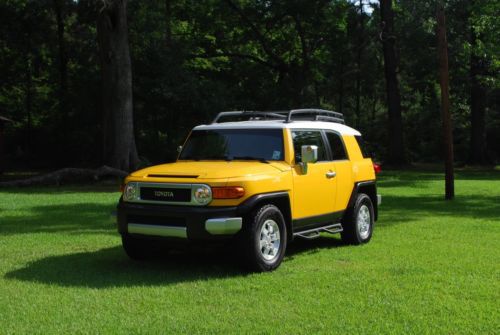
210,169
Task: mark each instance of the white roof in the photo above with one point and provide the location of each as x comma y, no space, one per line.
279,124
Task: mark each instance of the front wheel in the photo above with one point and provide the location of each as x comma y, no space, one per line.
135,248
358,222
265,239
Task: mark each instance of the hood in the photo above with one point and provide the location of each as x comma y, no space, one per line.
210,169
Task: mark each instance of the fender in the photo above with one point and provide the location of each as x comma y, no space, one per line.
369,185
281,199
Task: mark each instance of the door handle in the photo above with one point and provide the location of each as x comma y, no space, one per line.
331,174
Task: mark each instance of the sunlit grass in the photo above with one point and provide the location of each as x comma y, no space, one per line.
431,267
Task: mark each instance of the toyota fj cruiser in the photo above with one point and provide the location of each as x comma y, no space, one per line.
261,178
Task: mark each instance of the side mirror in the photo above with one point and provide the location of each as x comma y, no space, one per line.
309,154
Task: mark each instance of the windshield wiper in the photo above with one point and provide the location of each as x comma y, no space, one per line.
251,158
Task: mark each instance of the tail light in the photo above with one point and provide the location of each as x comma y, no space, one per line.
229,192
377,168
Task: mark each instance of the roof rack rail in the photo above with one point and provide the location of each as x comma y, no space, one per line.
317,114
252,115
309,114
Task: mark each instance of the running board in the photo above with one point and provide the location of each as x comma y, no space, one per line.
315,233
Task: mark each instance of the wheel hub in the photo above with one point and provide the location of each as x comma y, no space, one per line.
364,222
270,240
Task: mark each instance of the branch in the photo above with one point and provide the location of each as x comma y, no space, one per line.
237,55
258,35
303,42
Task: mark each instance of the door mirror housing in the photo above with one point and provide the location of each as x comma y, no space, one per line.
309,154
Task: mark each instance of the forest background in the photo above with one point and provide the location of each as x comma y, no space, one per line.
74,74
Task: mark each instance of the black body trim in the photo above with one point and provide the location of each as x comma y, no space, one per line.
316,221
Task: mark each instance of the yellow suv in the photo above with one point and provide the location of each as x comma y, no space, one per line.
260,178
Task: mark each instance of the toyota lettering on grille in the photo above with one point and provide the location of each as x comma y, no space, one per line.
166,194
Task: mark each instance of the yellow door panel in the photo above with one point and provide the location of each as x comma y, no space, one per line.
344,184
314,193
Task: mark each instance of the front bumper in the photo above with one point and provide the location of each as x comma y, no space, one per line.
187,222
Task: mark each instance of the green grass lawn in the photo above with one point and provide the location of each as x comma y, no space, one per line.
432,267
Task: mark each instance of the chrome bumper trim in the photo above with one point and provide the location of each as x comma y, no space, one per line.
379,199
153,230
223,226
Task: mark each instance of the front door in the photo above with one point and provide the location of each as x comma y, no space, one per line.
314,193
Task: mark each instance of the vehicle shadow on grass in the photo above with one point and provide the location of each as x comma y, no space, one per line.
403,209
110,267
83,218
418,178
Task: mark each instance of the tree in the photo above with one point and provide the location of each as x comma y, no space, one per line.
119,145
396,147
478,70
445,103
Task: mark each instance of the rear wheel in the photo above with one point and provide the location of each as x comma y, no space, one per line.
358,222
265,239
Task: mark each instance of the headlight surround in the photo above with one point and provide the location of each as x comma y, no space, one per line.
131,192
202,194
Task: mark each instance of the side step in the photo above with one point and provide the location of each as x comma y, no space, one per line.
314,233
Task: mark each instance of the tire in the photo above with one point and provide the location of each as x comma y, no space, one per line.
264,248
358,222
135,248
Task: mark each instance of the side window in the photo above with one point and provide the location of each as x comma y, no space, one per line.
362,147
336,146
308,137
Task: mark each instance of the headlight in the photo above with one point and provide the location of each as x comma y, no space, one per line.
202,194
131,192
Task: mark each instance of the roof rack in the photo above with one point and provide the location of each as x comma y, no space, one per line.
309,114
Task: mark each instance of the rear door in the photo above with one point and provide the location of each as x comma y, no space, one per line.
343,169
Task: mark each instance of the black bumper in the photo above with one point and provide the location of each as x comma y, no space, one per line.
191,217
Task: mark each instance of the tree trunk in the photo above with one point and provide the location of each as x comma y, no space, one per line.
396,147
340,100
63,59
120,150
2,160
58,6
28,101
445,103
168,23
359,51
477,105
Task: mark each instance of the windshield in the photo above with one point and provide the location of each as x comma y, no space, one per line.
230,144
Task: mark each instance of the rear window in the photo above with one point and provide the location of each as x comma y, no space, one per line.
362,147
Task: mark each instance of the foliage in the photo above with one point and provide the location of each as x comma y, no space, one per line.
192,59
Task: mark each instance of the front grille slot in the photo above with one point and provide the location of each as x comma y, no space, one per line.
166,194
157,220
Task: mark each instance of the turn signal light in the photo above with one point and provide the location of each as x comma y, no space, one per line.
229,192
377,168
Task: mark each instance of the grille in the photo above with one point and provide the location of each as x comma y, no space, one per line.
166,194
